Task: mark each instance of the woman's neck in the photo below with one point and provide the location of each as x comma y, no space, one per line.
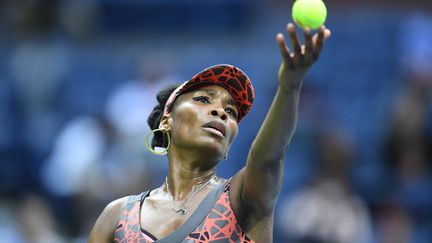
188,171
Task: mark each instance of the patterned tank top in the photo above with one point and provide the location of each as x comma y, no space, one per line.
212,221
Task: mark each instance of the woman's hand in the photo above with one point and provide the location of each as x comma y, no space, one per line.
296,64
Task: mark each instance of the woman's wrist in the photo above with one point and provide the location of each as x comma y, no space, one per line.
290,88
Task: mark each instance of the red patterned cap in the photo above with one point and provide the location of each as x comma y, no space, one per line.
228,76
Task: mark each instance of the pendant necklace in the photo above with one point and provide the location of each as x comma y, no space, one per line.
183,210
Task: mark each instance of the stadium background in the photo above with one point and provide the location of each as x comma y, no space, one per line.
78,79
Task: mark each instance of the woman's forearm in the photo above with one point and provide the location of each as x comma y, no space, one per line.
277,129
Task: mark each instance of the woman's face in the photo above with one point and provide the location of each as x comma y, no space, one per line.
204,119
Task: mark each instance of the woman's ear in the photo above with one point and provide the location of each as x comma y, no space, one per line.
164,123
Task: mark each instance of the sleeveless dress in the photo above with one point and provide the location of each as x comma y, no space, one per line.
212,221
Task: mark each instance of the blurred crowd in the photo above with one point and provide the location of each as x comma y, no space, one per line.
78,79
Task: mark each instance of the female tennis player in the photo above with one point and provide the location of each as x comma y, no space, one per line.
196,124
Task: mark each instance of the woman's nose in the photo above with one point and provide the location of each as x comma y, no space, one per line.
220,114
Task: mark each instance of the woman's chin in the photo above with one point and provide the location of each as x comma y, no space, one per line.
210,148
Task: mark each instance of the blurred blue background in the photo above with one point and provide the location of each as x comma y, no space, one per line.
78,80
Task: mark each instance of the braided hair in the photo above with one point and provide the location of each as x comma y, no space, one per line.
154,119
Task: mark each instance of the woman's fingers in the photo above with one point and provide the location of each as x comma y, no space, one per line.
308,47
285,52
302,55
318,41
295,43
327,33
282,46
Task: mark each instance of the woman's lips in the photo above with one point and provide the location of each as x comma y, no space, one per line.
216,127
213,130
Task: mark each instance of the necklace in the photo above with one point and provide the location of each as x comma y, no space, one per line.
183,210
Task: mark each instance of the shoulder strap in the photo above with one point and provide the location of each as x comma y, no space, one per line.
143,196
128,222
198,216
133,205
135,198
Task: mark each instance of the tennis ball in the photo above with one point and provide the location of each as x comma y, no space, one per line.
309,13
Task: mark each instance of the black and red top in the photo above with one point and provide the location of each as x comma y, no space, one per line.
213,220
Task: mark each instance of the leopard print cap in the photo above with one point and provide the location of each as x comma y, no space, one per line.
234,80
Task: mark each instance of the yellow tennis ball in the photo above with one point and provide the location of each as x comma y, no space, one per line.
309,13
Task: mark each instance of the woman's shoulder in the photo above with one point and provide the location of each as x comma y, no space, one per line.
117,205
120,204
103,229
113,210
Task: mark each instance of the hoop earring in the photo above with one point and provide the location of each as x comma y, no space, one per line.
148,146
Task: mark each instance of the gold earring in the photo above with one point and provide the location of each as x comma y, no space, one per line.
147,144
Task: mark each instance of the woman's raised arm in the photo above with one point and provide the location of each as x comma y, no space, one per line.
261,178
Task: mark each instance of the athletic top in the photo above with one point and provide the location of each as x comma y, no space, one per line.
213,220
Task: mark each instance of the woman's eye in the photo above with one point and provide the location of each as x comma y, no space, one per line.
202,99
231,112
